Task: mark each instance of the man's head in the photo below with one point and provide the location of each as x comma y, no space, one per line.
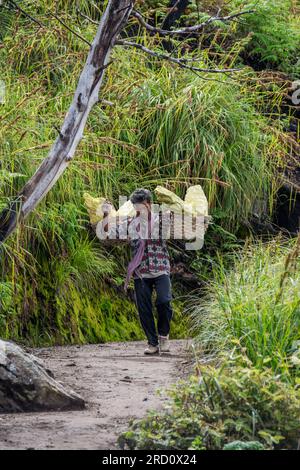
141,196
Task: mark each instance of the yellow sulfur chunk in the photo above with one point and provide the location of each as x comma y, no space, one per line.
196,198
94,206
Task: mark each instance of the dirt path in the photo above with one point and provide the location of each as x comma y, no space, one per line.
117,381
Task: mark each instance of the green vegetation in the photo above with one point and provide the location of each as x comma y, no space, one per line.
274,33
249,327
164,126
240,445
255,307
221,405
267,38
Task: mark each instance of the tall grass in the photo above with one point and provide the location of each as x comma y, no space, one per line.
255,307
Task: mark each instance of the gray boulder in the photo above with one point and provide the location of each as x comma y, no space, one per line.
25,384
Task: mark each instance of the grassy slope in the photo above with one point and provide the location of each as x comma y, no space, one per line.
255,307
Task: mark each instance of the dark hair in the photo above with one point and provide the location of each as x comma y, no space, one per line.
140,195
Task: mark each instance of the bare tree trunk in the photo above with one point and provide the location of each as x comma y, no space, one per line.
86,95
177,8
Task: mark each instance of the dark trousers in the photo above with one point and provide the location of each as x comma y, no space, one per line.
143,295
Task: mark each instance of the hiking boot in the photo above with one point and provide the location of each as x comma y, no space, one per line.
164,344
151,350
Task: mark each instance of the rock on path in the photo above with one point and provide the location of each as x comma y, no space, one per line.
25,384
118,383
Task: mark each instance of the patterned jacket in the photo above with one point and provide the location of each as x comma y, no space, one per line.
156,257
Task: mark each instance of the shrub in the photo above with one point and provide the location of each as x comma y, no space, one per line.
248,307
240,445
220,406
275,33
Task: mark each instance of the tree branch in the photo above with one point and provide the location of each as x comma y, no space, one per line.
86,17
70,29
180,62
189,29
26,14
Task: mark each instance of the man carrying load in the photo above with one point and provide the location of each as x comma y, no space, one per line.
150,268
138,222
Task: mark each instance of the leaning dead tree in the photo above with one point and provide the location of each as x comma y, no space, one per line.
86,95
113,21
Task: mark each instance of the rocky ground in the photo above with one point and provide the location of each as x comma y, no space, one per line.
118,383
